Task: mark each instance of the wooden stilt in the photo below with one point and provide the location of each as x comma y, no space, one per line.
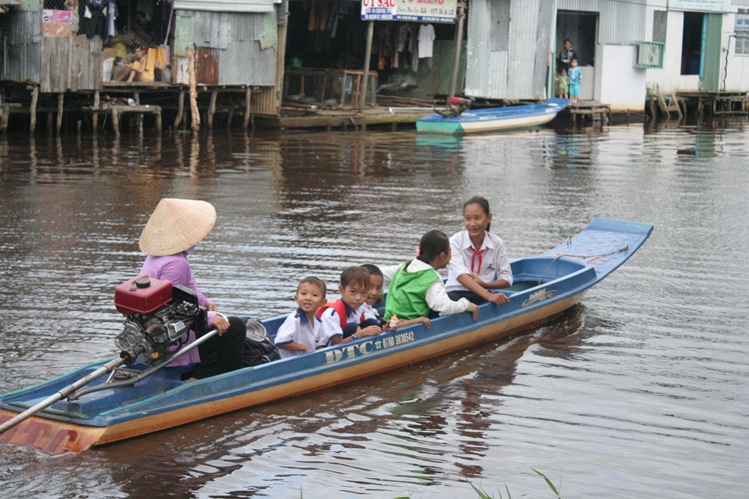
50,121
32,109
194,112
458,42
6,117
367,56
180,109
247,108
95,116
228,120
115,122
60,106
212,109
158,122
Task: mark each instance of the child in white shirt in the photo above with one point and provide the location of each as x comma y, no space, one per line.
347,320
479,262
300,332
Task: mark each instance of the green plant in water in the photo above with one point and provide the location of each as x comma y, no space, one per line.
484,495
548,482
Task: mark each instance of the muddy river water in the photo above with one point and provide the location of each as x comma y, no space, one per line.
640,391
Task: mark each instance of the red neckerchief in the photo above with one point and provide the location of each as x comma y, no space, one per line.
479,254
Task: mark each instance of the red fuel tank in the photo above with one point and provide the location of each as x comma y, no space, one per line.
142,294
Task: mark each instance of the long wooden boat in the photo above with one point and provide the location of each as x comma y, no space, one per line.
492,119
545,286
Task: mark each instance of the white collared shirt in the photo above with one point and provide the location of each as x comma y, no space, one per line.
495,264
331,322
298,329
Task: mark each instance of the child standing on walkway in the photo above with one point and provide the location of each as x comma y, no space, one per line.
576,79
300,332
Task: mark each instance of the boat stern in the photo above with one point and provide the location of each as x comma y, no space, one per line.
54,437
439,124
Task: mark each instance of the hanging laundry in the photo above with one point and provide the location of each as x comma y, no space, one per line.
413,47
112,14
94,19
426,40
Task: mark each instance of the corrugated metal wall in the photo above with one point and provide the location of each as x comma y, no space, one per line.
245,45
507,54
30,5
23,46
265,101
619,22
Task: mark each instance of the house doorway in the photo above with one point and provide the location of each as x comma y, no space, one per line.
581,28
701,48
691,43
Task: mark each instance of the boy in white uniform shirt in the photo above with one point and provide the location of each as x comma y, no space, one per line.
346,319
300,332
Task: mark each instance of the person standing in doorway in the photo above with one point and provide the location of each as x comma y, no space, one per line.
576,77
566,56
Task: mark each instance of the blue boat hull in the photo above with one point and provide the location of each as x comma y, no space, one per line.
545,286
492,119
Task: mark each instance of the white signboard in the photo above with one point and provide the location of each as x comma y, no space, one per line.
434,11
742,23
701,5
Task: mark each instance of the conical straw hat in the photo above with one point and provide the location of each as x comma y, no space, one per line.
177,225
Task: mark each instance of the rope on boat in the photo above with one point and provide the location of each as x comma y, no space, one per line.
577,255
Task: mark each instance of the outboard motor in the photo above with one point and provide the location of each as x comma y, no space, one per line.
158,318
455,106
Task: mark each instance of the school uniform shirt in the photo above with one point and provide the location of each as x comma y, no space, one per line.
435,295
367,309
489,262
297,328
331,323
